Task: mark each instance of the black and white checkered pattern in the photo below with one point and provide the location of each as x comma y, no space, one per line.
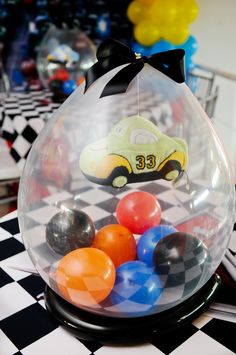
99,203
23,116
27,328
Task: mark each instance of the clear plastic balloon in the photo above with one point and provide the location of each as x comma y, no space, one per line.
96,151
64,51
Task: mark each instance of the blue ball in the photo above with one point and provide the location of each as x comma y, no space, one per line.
69,86
137,289
149,240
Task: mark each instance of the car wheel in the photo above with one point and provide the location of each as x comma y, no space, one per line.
171,170
119,177
119,181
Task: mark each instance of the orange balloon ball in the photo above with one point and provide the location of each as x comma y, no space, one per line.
85,276
117,242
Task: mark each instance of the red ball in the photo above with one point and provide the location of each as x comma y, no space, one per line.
138,211
62,74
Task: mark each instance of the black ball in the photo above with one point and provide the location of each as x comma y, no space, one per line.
68,230
178,247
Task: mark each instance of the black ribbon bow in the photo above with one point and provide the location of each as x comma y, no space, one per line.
112,53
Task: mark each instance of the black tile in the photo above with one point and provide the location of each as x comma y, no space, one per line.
171,340
33,284
91,345
11,226
105,221
109,205
29,134
223,332
15,155
10,247
164,205
154,188
4,278
27,326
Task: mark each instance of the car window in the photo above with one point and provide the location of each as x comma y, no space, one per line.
120,129
142,136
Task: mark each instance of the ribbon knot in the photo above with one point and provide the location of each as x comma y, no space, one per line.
112,53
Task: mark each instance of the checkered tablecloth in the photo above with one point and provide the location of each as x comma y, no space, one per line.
26,326
22,117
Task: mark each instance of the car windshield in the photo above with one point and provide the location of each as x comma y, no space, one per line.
142,136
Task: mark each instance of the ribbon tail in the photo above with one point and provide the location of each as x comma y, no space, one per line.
170,63
120,82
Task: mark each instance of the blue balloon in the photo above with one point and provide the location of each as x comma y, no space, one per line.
149,240
137,289
190,46
103,26
69,86
139,49
160,46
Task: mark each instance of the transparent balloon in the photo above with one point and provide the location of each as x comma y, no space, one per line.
95,153
64,54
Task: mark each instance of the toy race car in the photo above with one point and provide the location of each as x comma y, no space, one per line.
134,151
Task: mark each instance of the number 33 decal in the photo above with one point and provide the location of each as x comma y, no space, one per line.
149,162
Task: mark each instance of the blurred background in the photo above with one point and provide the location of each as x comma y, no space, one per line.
46,46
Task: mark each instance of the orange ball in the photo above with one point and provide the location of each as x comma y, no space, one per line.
85,276
117,242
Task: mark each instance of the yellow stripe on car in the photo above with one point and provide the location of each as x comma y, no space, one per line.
109,163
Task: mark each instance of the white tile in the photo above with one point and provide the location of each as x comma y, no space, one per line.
95,213
20,260
21,145
174,214
36,124
20,123
94,196
144,349
201,321
6,346
9,305
9,216
58,342
44,214
201,344
4,234
55,198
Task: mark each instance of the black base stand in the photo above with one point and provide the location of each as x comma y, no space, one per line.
94,327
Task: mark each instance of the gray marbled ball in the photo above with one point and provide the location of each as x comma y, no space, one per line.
68,230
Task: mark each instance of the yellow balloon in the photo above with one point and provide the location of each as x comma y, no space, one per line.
163,12
135,12
146,2
175,34
146,33
188,10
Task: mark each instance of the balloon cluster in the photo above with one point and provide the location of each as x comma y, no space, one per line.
162,19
